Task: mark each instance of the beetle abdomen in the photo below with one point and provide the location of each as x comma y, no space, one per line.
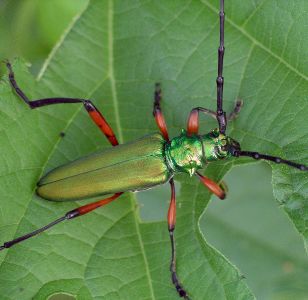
133,166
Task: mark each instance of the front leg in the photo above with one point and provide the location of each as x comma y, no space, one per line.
236,110
193,119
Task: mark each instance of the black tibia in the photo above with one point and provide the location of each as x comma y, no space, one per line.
11,243
158,114
175,281
69,215
220,114
93,112
171,226
47,101
206,111
157,98
14,84
231,116
77,212
42,102
236,110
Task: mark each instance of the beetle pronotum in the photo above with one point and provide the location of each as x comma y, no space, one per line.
154,158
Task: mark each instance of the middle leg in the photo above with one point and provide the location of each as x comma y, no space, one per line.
93,112
157,112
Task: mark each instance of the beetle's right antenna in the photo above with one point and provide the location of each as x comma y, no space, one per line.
220,114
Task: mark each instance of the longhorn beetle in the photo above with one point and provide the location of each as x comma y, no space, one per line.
144,163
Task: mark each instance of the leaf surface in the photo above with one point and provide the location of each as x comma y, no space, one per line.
255,233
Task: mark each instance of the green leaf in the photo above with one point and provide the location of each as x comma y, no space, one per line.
113,54
257,236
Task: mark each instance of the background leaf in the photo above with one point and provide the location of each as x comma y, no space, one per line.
255,234
113,54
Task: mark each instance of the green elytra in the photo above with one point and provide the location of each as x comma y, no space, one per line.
148,161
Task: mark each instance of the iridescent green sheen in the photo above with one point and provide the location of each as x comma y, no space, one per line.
216,145
134,166
190,153
185,153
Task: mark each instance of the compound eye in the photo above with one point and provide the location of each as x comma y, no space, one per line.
222,150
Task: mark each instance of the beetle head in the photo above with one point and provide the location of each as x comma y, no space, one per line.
217,146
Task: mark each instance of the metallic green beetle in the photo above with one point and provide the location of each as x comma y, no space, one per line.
149,161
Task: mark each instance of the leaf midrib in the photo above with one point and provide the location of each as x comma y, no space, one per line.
132,198
111,77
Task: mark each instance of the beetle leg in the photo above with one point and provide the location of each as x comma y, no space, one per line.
82,210
214,187
93,112
193,119
157,112
69,215
236,110
171,227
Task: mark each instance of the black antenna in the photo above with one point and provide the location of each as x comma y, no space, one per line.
220,114
275,159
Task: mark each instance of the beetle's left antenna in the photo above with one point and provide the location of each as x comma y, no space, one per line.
220,114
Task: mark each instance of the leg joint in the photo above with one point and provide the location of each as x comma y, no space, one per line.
89,106
220,80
